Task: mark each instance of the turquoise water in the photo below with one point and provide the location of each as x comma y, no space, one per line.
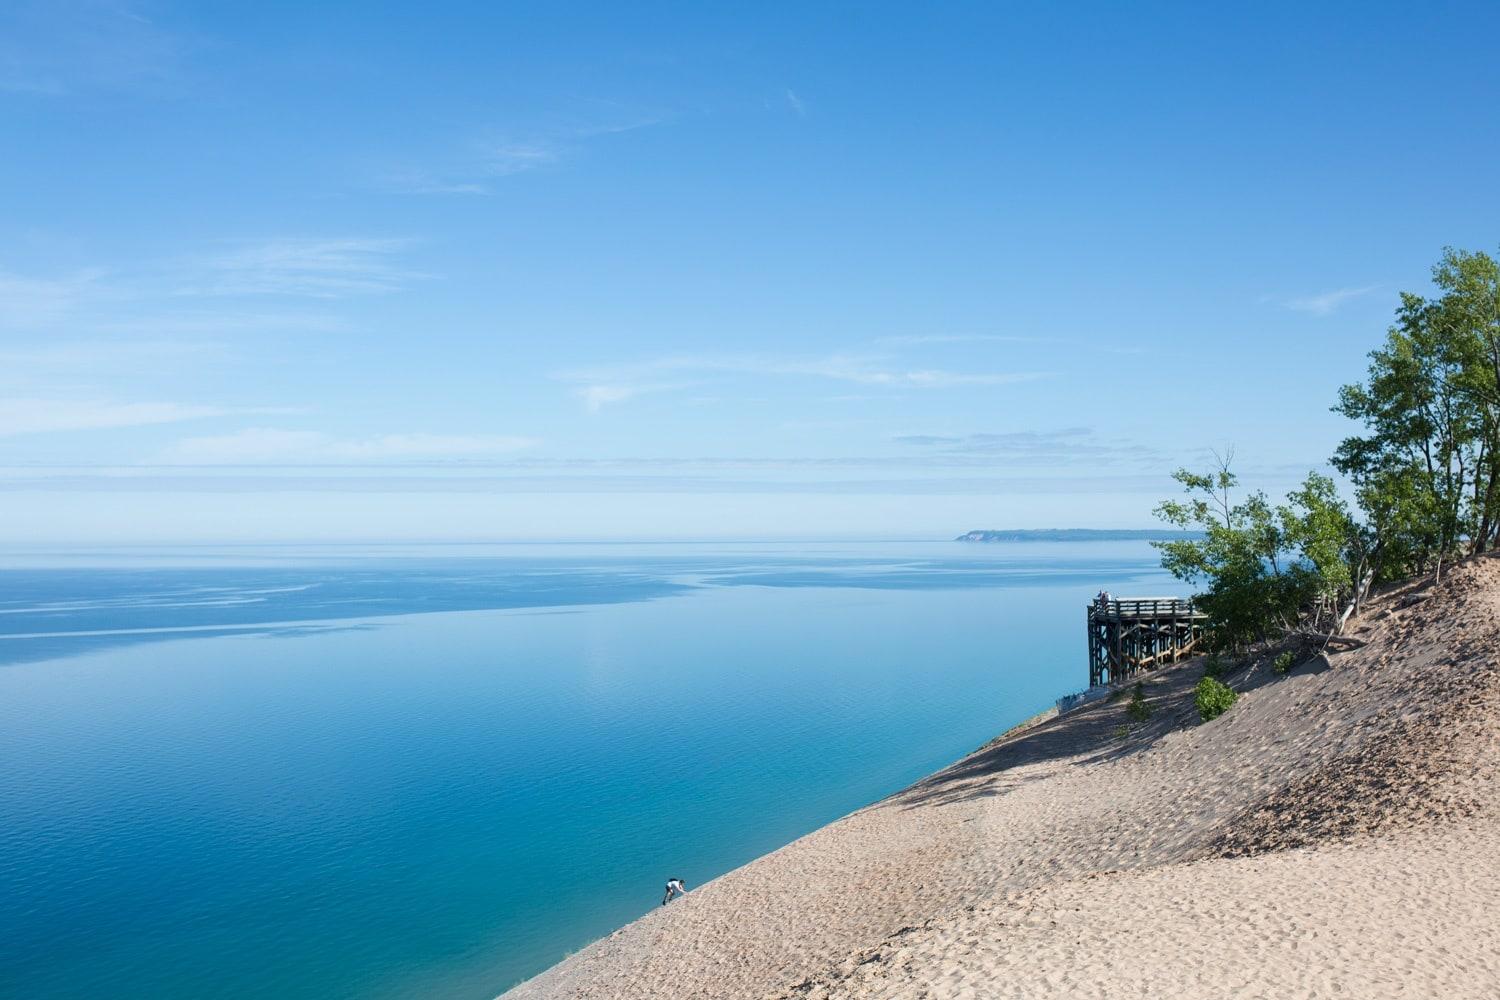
377,774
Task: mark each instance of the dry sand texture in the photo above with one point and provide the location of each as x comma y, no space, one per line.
1331,835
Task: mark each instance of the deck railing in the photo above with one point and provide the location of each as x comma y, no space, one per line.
1148,607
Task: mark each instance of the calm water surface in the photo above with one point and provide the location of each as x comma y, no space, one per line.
329,774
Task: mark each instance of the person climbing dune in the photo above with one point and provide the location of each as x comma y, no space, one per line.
674,888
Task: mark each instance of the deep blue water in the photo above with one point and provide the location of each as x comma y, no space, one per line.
334,774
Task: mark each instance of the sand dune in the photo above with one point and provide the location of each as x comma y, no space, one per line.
1331,835
1412,915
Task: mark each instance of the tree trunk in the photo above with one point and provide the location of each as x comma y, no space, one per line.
1360,589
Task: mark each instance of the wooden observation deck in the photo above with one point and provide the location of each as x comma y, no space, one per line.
1130,634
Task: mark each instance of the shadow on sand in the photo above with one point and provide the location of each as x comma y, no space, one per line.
1096,732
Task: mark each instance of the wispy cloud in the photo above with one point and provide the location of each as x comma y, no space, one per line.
487,160
20,365
596,397
57,47
988,442
1061,447
267,445
960,338
455,481
152,296
935,378
508,158
302,267
620,382
27,302
925,339
478,172
423,182
1327,302
36,416
795,103
221,321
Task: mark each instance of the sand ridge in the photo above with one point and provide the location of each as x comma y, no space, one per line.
1348,757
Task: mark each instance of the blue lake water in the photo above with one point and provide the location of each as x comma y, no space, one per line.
377,774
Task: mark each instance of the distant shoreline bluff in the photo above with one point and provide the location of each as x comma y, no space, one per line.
1333,832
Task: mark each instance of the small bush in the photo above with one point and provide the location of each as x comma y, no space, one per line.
1212,698
1284,662
1137,709
1213,666
1122,732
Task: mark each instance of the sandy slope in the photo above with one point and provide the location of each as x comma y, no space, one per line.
1412,915
1152,851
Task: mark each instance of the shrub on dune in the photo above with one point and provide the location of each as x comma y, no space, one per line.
1212,698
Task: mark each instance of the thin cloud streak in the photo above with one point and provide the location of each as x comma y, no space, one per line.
596,397
304,267
27,366
268,445
420,182
37,416
564,485
148,297
53,48
961,338
27,302
492,159
471,459
1060,447
517,157
1328,302
224,321
616,383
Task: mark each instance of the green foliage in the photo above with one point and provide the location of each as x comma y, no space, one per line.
1122,731
1212,698
1284,662
1213,666
1136,708
1427,469
1425,472
1317,526
1263,565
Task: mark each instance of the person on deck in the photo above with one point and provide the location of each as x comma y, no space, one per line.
674,888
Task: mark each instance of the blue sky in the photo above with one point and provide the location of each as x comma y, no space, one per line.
439,271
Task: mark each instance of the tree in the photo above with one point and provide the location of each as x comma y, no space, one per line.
1331,549
1265,568
1427,469
1422,450
1469,318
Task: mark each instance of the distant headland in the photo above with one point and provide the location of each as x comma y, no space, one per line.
1075,535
